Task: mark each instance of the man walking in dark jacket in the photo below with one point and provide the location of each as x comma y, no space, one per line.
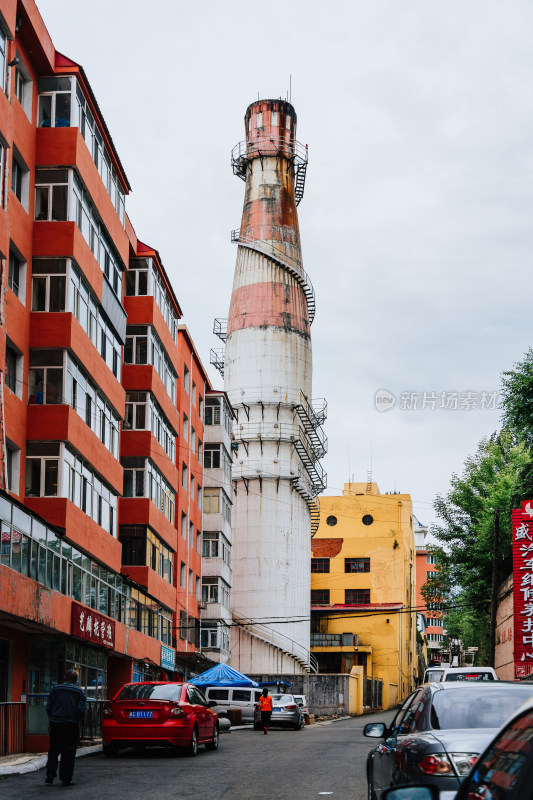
65,708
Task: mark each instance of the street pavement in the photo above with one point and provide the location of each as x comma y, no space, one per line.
325,760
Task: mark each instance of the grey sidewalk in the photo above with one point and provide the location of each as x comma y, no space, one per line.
30,762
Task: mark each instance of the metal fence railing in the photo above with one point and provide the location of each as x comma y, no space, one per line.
373,693
92,722
12,728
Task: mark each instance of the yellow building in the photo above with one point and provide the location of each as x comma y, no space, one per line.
363,588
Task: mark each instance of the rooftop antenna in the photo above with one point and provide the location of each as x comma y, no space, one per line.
349,465
290,88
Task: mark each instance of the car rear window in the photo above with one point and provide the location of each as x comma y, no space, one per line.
486,707
283,698
469,676
433,675
150,691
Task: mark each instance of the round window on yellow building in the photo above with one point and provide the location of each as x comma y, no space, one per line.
368,519
331,520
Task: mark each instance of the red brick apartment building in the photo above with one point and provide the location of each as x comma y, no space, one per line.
101,403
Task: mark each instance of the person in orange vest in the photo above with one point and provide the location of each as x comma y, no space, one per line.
265,707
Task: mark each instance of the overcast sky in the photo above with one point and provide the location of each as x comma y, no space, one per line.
416,219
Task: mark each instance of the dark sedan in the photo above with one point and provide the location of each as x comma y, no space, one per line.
438,734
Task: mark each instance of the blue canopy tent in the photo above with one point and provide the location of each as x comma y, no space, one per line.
222,675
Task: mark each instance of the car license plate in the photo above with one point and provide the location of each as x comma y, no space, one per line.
277,709
143,714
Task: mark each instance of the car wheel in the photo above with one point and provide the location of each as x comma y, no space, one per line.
298,725
213,744
192,749
110,750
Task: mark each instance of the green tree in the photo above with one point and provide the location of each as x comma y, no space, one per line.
496,476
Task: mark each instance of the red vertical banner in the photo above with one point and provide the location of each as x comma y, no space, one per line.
523,589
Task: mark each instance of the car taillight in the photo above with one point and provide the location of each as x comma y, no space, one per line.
107,710
177,711
291,708
464,761
435,764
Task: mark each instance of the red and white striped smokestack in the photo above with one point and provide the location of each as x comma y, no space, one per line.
268,375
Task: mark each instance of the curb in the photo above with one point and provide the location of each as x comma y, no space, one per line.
39,762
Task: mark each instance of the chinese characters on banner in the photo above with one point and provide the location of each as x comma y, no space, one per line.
523,589
95,628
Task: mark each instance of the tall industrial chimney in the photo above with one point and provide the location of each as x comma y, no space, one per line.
267,374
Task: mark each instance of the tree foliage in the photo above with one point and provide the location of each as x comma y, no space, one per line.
496,476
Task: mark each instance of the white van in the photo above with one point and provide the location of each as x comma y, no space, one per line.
459,674
226,698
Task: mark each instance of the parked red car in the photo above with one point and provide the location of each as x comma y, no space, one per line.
163,714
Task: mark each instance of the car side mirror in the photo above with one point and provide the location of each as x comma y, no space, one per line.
376,730
412,792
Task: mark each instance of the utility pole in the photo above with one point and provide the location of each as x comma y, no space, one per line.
494,592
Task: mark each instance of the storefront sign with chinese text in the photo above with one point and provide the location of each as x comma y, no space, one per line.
523,589
88,624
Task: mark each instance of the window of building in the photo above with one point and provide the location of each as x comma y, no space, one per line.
3,59
216,502
201,407
20,178
184,476
259,119
141,547
17,273
144,413
360,596
331,521
199,497
215,637
200,451
14,366
320,565
3,163
186,427
144,278
144,347
191,582
319,597
199,542
12,467
186,378
198,590
357,565
274,119
51,195
143,479
183,575
430,573
431,559
183,624
183,525
86,309
215,457
212,411
55,102
23,86
368,519
191,534
434,637
193,396
42,469
215,545
45,377
48,285
215,590
193,440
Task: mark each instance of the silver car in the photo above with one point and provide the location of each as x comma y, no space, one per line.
285,712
